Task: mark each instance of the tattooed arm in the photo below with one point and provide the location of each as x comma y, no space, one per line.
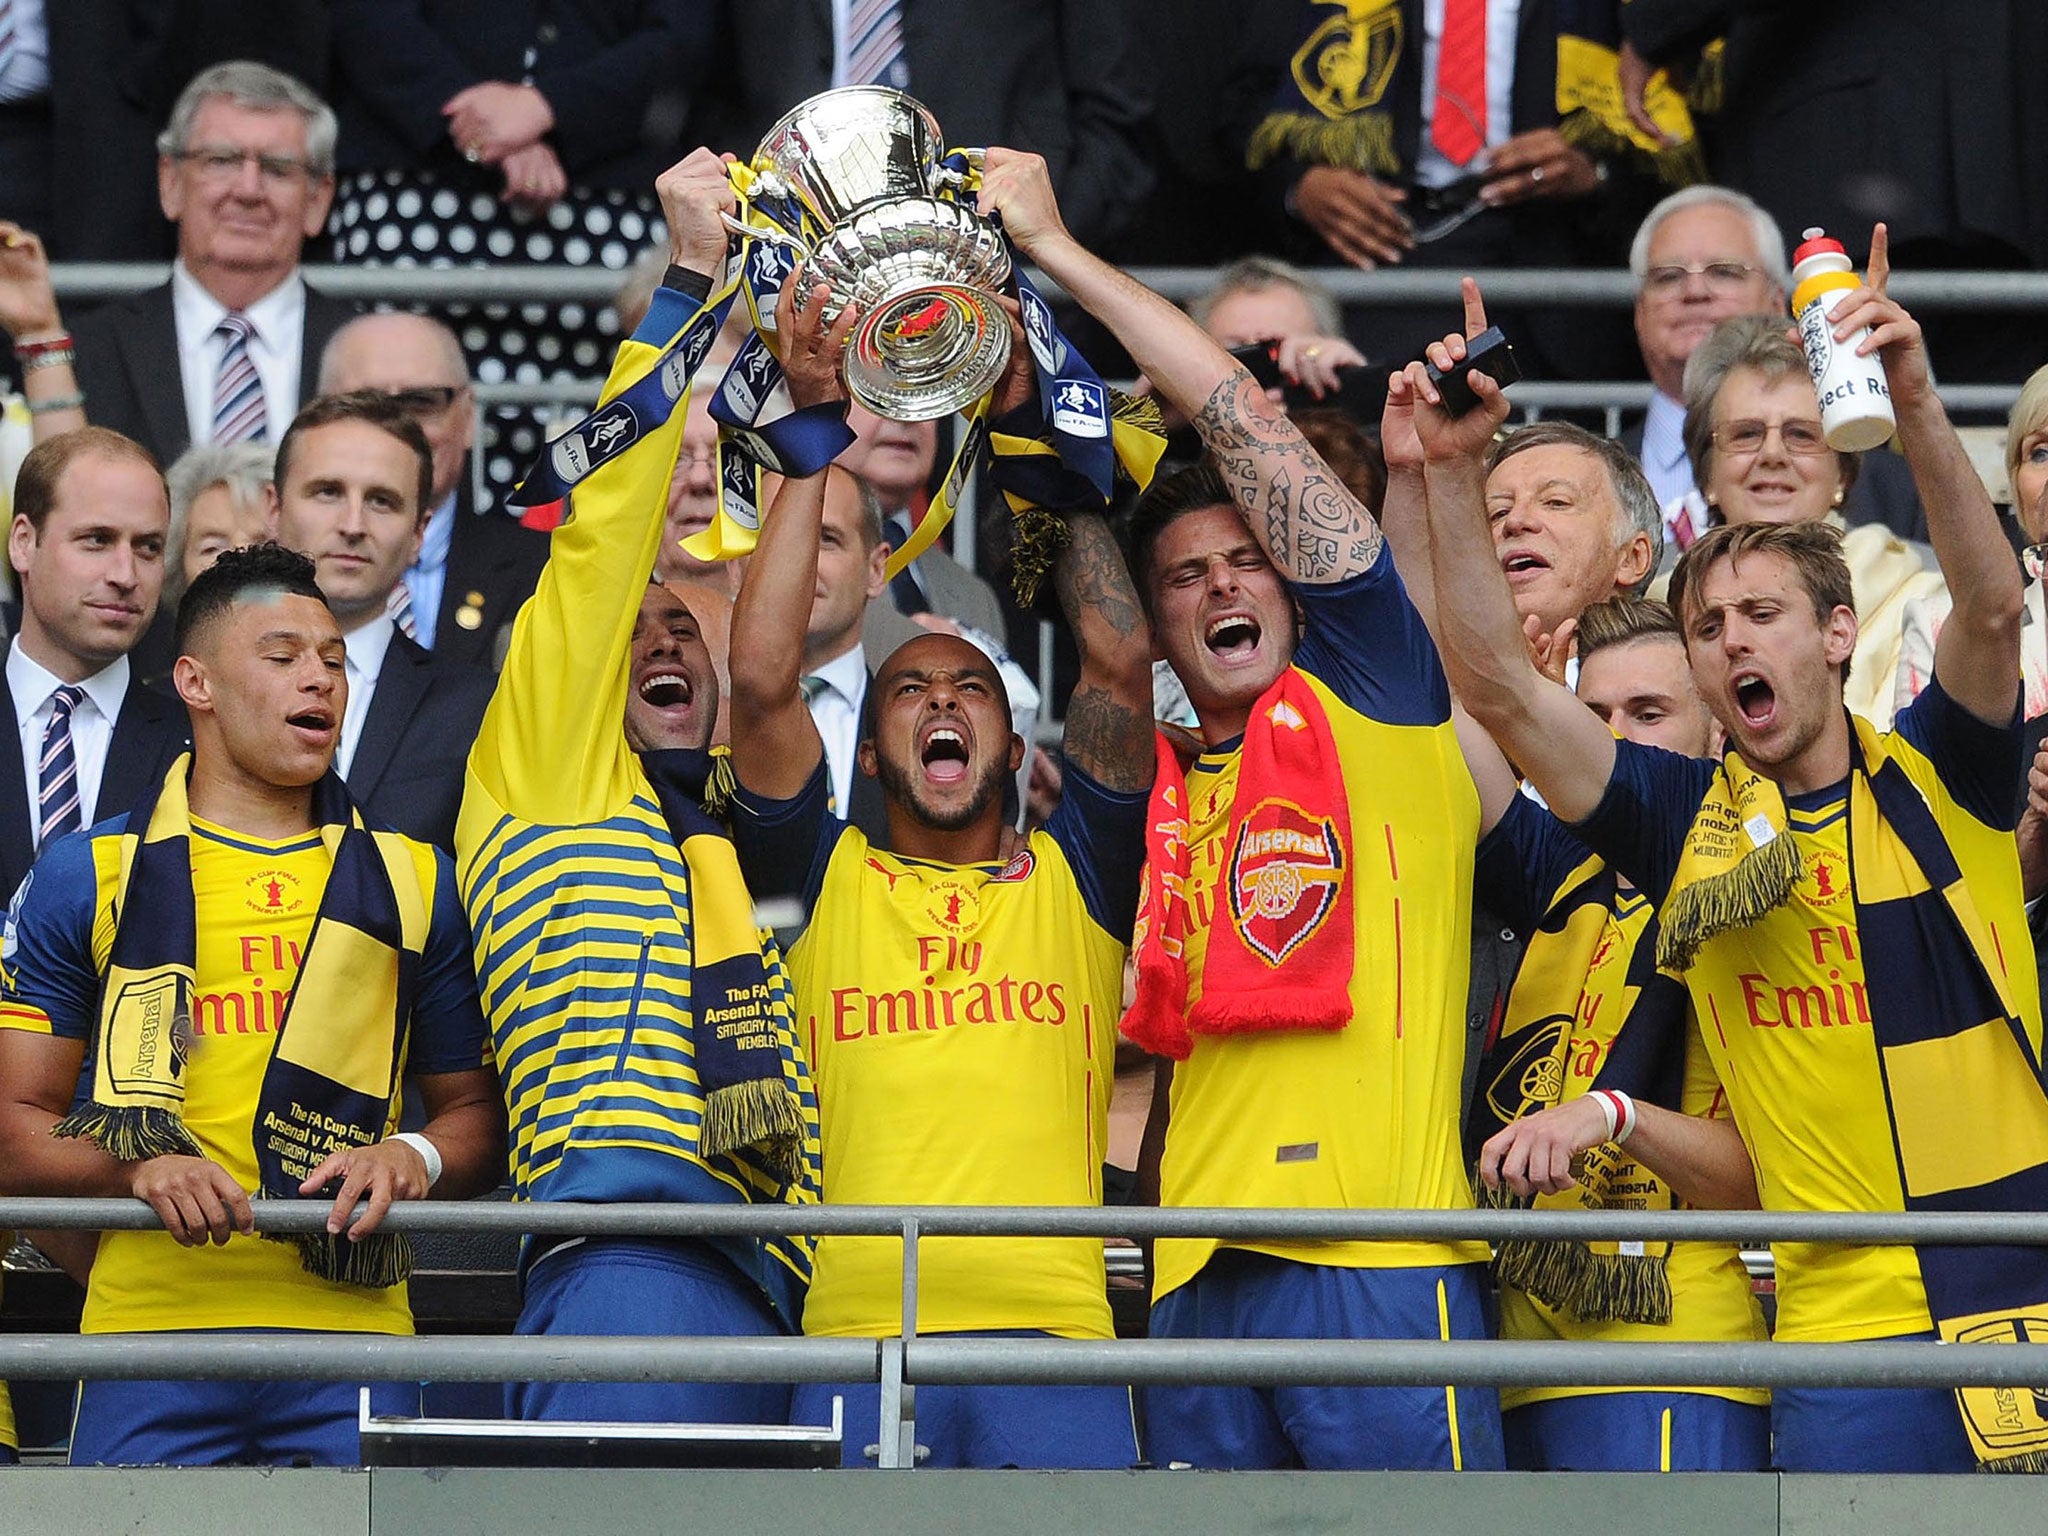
1109,718
1311,527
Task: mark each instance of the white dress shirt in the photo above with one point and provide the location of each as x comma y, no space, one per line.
835,710
279,320
367,648
92,727
27,73
1502,16
1664,460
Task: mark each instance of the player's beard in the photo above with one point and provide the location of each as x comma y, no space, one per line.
904,786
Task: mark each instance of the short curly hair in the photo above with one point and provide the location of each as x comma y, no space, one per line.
266,567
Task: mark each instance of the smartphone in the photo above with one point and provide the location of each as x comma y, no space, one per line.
1489,353
1262,361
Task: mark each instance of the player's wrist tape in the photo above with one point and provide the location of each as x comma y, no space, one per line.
429,1154
1619,1110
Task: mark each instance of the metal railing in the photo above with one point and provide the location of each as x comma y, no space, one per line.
1570,288
900,1363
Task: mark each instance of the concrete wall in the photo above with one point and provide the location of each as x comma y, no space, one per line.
58,1502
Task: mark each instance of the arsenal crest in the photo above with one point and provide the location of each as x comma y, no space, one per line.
1286,868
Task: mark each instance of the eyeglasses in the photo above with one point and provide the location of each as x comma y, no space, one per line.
223,162
1743,438
427,400
1723,277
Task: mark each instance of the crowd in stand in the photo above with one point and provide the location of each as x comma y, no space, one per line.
1442,809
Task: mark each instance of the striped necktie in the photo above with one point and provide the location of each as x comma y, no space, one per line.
400,609
10,36
874,44
238,412
57,770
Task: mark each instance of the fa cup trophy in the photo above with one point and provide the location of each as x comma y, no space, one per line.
855,183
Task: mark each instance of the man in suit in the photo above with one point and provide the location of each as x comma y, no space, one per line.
852,555
1700,256
354,474
474,568
1058,78
87,542
226,349
1429,135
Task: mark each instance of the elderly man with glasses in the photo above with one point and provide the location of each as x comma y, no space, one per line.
475,567
224,351
1699,257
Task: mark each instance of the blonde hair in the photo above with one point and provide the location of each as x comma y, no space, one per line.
2029,415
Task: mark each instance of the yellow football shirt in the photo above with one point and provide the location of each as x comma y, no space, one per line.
254,904
1366,1116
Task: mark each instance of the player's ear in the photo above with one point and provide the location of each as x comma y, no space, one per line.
1017,750
188,675
864,755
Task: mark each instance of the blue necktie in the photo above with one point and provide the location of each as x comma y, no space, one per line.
57,771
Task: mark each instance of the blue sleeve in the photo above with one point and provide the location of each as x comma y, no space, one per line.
448,1029
1365,641
1102,833
46,958
1640,824
784,845
1523,862
1980,765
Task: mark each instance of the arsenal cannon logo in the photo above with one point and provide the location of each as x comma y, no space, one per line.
1286,868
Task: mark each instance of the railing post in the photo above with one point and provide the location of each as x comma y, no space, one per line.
897,1433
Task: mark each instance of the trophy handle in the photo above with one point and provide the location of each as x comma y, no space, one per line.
765,232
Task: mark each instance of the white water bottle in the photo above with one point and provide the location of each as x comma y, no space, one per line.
1855,400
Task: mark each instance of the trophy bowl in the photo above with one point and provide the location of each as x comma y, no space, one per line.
860,171
923,273
844,149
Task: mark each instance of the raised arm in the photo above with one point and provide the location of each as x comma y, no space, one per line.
1555,740
775,745
1312,528
1977,657
1109,718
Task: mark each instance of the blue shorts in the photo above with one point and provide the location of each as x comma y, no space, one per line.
630,1287
1638,1432
229,1423
1062,1428
1870,1429
1243,1295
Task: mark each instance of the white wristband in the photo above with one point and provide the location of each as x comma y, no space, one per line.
429,1154
1620,1113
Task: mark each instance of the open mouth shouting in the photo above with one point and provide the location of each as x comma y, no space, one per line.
943,754
1756,701
1233,638
668,691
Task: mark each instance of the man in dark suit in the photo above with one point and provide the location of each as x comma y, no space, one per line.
474,569
1699,257
87,541
226,350
1056,78
1430,137
353,476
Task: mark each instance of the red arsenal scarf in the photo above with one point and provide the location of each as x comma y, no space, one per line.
1280,945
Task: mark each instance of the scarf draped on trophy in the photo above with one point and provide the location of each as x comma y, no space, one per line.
330,1083
1559,1038
1961,1072
852,188
1333,104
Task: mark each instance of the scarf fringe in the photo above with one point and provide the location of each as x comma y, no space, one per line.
1041,536
1675,165
1734,898
1270,1008
759,1112
1363,141
2025,1461
130,1134
1566,1275
378,1262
